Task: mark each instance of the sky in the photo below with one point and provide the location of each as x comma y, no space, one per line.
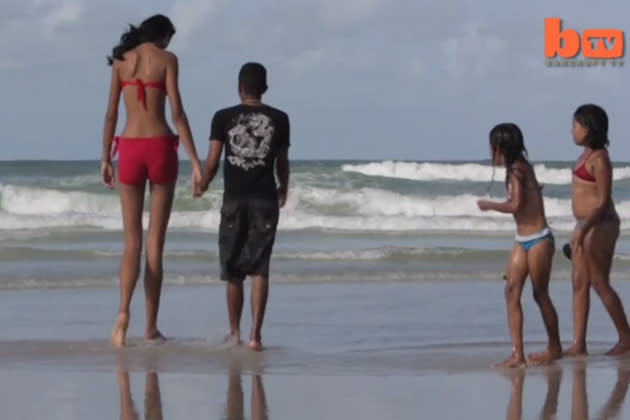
360,79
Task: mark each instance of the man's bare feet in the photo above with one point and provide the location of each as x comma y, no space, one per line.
119,333
545,357
255,345
154,336
576,350
622,347
515,360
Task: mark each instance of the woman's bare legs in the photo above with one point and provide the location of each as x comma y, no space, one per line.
132,201
599,249
161,204
539,259
517,273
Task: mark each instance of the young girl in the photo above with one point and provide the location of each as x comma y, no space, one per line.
534,248
597,229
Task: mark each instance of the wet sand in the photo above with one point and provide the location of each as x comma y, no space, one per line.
396,351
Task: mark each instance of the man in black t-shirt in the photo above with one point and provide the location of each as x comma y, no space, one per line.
256,139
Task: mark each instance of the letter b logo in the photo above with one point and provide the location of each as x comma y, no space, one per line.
595,43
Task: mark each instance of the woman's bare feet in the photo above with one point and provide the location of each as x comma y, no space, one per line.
233,339
119,333
576,350
622,347
156,335
255,345
545,357
515,360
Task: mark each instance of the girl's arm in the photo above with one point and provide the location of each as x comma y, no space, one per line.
177,110
111,115
515,199
602,171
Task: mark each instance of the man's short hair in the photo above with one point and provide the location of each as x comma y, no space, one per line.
252,78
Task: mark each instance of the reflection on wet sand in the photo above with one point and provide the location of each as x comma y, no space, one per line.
235,409
152,397
579,399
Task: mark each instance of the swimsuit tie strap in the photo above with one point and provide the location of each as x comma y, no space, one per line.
141,92
115,147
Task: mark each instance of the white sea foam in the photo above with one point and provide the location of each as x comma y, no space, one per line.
470,172
365,209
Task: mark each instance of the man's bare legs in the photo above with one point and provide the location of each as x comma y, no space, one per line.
161,203
235,407
599,248
539,259
235,299
132,201
517,272
234,292
260,291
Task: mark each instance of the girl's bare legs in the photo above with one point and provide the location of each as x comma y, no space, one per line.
132,201
539,259
599,249
161,204
550,407
613,406
581,302
517,273
515,408
579,401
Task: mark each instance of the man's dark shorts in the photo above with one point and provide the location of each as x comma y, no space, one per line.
247,232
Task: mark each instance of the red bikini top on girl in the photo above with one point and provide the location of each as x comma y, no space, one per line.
141,88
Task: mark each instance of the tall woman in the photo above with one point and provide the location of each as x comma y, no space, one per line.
597,228
146,74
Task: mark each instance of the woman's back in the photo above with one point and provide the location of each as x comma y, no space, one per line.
142,75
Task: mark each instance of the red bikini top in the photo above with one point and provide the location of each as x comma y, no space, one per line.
583,174
141,88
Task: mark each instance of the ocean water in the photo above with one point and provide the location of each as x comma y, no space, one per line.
344,221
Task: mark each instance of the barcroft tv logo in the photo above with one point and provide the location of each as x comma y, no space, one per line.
566,47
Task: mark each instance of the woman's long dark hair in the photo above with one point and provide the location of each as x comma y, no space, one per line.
155,28
507,139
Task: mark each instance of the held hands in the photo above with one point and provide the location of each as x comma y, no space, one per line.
108,175
197,179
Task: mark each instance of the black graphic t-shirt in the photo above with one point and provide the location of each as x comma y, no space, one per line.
252,136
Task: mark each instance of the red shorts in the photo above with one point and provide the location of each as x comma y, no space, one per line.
142,158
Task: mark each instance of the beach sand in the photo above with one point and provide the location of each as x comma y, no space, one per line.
334,351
